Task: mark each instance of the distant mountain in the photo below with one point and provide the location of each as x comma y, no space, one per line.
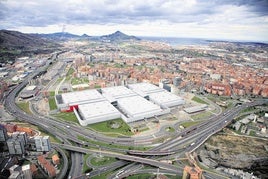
85,36
14,39
14,44
118,36
58,35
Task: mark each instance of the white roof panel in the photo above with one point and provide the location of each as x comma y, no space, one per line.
146,88
98,112
195,108
137,106
79,97
30,88
118,92
166,98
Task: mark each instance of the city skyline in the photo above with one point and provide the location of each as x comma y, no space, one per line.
230,20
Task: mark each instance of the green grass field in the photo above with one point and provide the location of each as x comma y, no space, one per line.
76,81
67,116
106,127
70,72
170,129
24,106
201,115
104,160
86,169
52,93
198,100
190,123
52,104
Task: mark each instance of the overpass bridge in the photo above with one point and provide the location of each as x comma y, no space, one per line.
150,152
147,161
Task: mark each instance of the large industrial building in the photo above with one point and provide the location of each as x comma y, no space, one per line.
131,103
157,95
69,101
135,108
96,112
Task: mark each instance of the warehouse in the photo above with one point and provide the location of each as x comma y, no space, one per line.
117,92
68,101
80,97
136,108
166,99
157,95
146,88
97,112
195,109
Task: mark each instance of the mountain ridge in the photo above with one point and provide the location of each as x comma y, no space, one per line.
118,35
14,44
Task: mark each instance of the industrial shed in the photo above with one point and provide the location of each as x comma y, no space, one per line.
97,112
136,108
195,109
157,95
112,94
80,97
166,99
146,88
68,101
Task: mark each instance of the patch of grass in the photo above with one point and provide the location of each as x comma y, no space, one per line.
141,176
170,129
249,109
52,93
102,175
67,116
201,115
26,162
24,106
190,123
230,105
224,98
211,98
70,72
111,145
198,100
173,176
99,161
106,127
86,169
97,86
252,133
117,65
52,104
76,81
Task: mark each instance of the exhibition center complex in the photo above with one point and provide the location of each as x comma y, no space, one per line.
131,103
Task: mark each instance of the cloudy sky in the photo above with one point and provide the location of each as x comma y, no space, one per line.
211,19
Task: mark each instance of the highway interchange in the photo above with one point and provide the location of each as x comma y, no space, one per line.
187,140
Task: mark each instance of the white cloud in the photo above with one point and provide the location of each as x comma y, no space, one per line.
241,19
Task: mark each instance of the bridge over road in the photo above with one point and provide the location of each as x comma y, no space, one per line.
147,161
